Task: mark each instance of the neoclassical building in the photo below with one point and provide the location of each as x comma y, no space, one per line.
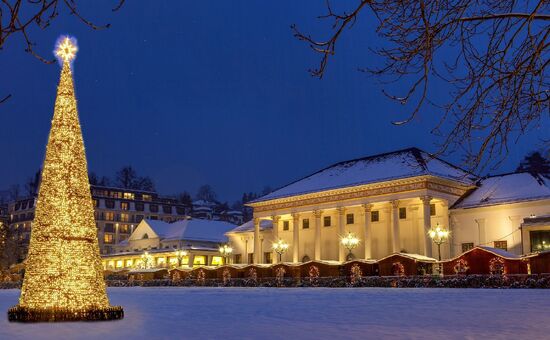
390,202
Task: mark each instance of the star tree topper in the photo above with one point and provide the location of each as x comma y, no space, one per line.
66,49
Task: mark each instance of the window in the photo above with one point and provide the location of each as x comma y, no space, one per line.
238,258
375,216
124,217
109,227
147,197
199,260
153,217
501,245
305,223
145,236
467,246
326,221
540,240
167,209
267,257
153,208
432,209
108,238
124,206
349,219
139,206
138,218
128,195
124,228
286,225
250,257
109,216
402,213
109,204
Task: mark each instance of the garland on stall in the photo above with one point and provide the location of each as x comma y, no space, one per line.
226,276
461,267
497,266
201,277
280,275
313,275
356,274
398,269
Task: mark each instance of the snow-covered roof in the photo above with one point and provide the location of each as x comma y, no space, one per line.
400,164
249,226
508,188
500,252
204,203
416,257
191,229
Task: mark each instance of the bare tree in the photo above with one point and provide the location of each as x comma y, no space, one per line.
498,78
20,17
206,193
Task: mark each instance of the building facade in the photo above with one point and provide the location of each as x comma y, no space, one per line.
390,202
160,244
117,212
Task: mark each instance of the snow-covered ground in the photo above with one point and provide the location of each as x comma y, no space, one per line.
309,313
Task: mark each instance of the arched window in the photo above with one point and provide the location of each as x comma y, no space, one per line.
145,236
306,258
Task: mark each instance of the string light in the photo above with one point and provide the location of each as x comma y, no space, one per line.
63,273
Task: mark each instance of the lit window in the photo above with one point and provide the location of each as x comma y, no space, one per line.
119,264
217,260
124,206
501,245
161,261
128,195
124,218
129,263
147,197
199,260
108,238
109,216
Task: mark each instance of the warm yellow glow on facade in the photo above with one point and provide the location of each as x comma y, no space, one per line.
199,260
217,260
63,273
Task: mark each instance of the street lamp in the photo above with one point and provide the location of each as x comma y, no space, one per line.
438,235
280,248
180,254
350,242
226,251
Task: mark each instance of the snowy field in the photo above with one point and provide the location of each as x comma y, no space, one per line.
308,313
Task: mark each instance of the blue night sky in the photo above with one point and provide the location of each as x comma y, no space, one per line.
196,92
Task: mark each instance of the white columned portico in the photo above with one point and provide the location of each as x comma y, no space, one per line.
257,255
367,233
317,214
341,231
396,243
427,220
296,237
275,220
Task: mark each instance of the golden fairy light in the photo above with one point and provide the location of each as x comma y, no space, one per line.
63,273
66,49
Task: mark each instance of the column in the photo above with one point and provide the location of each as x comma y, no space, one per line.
296,237
341,233
191,260
367,233
257,255
427,220
317,214
396,243
275,220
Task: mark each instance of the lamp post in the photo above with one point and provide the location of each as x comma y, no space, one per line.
280,248
439,235
350,242
180,254
226,251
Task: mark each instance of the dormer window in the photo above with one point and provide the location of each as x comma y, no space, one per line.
145,236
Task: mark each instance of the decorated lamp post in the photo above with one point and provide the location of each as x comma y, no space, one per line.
180,254
439,235
280,248
350,242
226,251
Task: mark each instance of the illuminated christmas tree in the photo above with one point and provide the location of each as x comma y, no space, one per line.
63,273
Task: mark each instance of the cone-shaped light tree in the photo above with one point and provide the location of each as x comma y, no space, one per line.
63,273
